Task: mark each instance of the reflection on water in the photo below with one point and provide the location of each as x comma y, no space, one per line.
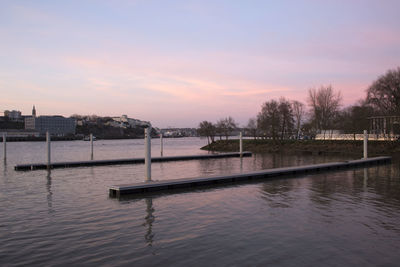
49,193
365,182
149,219
4,167
339,218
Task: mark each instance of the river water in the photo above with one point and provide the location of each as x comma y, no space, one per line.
65,217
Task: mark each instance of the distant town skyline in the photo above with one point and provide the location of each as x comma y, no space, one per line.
176,63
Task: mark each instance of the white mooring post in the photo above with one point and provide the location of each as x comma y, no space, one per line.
91,146
4,146
48,141
161,145
147,157
365,144
241,144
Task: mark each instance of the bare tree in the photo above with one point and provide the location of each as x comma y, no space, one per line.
298,113
324,103
384,93
207,129
286,117
226,126
268,118
276,118
231,125
220,128
252,127
354,119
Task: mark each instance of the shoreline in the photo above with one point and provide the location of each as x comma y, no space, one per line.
375,148
73,138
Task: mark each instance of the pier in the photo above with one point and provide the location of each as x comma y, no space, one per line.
71,164
152,186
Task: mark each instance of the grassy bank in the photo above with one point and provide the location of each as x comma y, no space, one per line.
375,148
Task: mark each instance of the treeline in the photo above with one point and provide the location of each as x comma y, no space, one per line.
291,119
224,127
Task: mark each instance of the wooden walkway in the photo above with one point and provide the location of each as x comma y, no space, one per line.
71,164
146,187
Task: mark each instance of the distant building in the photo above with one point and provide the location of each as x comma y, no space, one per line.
125,122
56,125
179,132
13,115
385,127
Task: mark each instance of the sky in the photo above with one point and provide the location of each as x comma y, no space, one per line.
177,63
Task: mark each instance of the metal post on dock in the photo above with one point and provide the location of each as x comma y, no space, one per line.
161,145
241,144
365,144
48,141
4,146
91,146
147,157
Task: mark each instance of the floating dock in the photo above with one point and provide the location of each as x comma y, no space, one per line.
146,187
72,164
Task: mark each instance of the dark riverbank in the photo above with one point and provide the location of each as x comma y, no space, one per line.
39,138
375,148
71,138
61,138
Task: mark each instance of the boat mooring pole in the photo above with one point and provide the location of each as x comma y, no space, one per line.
147,157
241,144
4,146
48,141
365,144
91,146
161,144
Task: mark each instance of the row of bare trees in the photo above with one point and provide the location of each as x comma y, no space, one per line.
223,127
283,118
276,118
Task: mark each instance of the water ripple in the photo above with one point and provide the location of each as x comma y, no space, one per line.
65,217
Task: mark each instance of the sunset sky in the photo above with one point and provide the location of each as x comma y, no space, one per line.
176,63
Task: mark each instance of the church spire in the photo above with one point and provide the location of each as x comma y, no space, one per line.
33,111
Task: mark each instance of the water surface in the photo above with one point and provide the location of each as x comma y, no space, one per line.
65,217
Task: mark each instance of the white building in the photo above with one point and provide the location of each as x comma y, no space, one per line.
13,115
125,122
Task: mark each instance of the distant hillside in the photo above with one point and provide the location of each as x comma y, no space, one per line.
110,132
110,127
